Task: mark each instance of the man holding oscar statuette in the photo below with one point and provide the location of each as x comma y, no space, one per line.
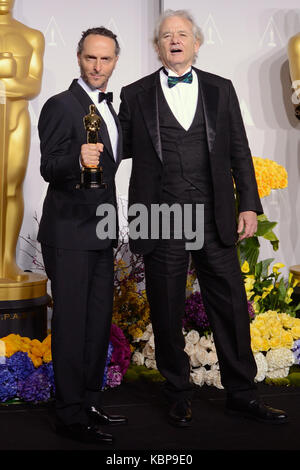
80,152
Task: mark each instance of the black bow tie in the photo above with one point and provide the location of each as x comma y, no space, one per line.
105,96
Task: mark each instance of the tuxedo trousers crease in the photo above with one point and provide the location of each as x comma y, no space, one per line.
219,275
166,275
221,285
80,326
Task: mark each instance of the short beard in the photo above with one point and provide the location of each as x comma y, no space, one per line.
85,79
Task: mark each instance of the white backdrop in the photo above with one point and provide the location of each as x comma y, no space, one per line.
244,41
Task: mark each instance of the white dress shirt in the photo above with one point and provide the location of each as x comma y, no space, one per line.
105,113
181,98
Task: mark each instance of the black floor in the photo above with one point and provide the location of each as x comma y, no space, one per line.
31,429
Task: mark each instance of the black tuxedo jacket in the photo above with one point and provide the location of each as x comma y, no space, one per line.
229,153
69,213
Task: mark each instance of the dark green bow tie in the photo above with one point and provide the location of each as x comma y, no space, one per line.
186,78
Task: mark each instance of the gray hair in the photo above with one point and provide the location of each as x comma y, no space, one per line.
183,14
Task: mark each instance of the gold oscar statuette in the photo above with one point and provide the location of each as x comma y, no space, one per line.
92,176
21,67
294,64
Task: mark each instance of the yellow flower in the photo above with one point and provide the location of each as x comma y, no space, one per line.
288,298
287,339
295,331
267,290
245,268
286,320
275,342
269,175
256,343
277,267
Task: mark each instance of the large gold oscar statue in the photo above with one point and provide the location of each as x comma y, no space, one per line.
21,66
294,64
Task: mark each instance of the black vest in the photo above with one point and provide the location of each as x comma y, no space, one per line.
185,155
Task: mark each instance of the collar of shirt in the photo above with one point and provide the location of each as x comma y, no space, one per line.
93,94
174,74
182,98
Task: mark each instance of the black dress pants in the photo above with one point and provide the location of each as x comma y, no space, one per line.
219,275
82,291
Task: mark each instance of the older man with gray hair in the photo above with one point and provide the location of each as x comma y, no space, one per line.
184,131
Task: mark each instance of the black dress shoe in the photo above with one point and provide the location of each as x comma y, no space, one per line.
98,416
257,410
180,414
84,433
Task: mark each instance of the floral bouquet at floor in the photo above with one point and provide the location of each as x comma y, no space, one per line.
26,370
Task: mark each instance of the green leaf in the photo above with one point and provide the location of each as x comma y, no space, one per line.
265,264
281,290
249,251
264,227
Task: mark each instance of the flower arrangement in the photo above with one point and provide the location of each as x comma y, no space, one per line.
131,309
274,330
267,289
25,369
269,175
275,343
118,359
200,349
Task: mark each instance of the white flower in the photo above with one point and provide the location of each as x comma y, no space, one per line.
192,337
202,356
194,360
213,377
146,335
280,373
148,351
150,363
207,342
211,358
138,358
151,341
198,376
189,349
279,358
262,366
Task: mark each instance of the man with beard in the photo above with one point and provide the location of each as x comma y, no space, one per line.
78,263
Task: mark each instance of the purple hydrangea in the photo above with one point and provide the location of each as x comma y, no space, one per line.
108,359
114,376
296,351
8,384
47,368
36,387
20,365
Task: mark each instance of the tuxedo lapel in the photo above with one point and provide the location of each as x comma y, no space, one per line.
148,99
210,99
120,139
85,102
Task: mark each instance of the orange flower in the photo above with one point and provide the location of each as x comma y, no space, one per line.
269,175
